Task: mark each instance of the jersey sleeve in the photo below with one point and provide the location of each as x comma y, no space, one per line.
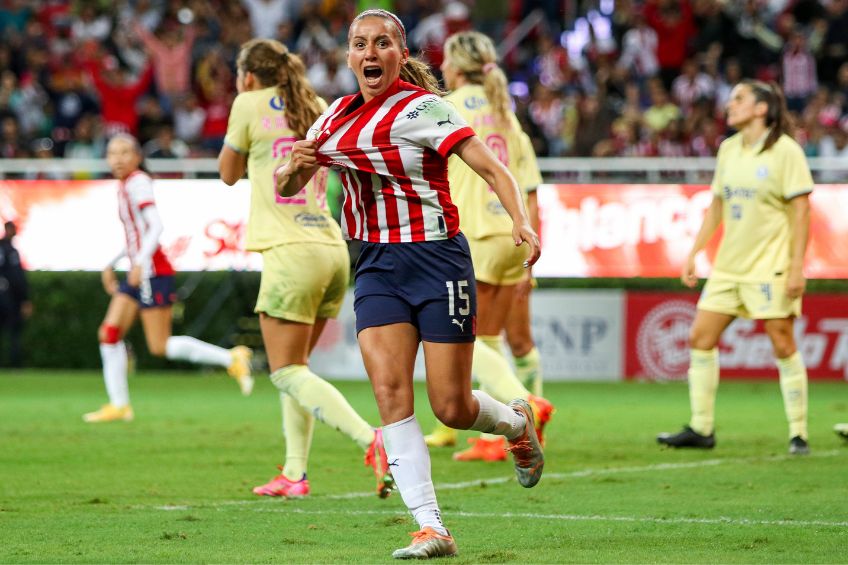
529,176
433,122
140,191
238,126
715,186
797,179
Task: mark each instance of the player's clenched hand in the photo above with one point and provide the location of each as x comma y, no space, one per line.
134,276
795,284
304,155
688,277
109,280
523,233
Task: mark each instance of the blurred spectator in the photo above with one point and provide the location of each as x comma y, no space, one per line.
266,15
90,23
593,125
165,146
88,141
15,306
119,94
639,50
692,85
11,142
189,118
799,72
171,56
331,77
662,110
673,22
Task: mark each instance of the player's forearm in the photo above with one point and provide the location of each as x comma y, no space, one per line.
290,182
712,219
504,185
800,232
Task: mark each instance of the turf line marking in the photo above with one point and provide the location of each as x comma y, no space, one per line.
500,480
573,517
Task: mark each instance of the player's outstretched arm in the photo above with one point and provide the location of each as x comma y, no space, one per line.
481,159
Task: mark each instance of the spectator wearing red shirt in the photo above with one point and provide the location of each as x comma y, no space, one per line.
119,94
674,24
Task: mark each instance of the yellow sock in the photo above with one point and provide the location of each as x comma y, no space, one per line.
323,401
703,384
297,431
494,374
793,386
528,369
492,341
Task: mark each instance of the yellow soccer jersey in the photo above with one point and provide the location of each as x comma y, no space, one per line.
257,128
529,176
480,212
755,190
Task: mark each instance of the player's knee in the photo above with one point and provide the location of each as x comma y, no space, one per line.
109,334
701,340
157,348
454,415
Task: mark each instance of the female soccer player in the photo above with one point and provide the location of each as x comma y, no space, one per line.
148,292
761,194
414,278
481,98
305,261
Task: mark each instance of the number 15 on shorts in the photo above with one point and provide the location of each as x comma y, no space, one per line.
458,293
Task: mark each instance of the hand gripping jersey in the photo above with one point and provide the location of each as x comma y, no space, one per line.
392,154
755,189
481,211
135,194
258,128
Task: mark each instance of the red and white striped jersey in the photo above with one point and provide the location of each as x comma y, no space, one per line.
134,195
392,155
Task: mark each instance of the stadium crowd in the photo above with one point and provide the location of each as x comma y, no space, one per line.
609,78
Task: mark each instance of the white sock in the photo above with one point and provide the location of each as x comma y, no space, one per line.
409,462
185,348
496,417
114,356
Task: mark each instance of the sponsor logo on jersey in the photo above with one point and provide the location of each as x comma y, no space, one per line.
458,323
474,102
276,103
495,207
308,220
423,108
762,172
739,192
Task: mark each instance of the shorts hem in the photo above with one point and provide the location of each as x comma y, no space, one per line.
377,324
287,316
449,338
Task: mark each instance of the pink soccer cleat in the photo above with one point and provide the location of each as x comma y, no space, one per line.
375,458
281,486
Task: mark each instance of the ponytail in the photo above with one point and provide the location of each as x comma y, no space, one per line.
418,72
272,64
474,55
777,116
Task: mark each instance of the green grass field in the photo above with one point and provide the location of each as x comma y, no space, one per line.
174,486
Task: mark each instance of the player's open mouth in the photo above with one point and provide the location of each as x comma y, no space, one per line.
372,75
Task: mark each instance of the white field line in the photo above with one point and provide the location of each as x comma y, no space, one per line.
584,473
572,517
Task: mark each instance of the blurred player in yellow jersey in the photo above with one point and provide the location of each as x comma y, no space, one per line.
305,261
518,328
761,194
481,97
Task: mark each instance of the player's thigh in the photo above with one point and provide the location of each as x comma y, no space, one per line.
121,313
493,305
388,352
302,281
156,321
768,300
286,342
449,382
707,328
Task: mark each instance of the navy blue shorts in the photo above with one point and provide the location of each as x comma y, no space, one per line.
158,291
428,284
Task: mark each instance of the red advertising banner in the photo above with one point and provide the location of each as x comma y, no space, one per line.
657,333
617,230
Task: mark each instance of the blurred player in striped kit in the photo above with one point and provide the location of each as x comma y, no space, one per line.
147,292
305,261
481,98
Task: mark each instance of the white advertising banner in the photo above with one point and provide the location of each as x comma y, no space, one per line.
579,335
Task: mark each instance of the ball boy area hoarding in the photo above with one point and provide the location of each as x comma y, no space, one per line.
587,231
